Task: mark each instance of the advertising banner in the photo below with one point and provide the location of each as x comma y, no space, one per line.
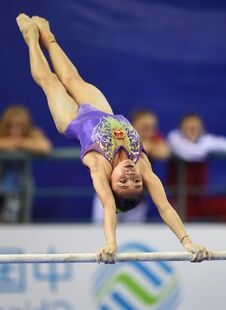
129,285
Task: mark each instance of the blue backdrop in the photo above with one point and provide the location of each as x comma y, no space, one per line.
166,55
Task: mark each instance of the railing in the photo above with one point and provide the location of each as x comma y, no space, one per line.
182,190
28,190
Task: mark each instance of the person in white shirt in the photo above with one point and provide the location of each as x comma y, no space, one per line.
191,142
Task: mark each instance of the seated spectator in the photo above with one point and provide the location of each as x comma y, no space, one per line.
17,132
146,124
192,144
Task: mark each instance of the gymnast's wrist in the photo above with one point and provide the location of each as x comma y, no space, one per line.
185,240
112,243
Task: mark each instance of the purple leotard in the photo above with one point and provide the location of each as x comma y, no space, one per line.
104,133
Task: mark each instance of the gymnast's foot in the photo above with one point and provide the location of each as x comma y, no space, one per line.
46,36
27,27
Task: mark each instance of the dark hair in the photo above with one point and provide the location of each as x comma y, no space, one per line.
189,115
138,113
127,202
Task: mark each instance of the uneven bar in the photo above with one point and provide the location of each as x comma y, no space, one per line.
92,257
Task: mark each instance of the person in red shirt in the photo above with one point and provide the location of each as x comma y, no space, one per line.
146,123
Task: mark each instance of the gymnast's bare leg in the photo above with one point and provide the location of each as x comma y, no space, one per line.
62,106
80,91
65,91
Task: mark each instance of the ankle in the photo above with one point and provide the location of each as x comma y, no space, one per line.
51,42
48,39
32,39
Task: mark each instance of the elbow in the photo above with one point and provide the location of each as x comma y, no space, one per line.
163,154
166,153
45,148
94,166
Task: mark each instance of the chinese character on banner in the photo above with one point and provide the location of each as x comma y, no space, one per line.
53,273
12,276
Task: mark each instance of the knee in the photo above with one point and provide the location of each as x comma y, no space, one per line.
62,121
45,79
69,78
60,128
61,125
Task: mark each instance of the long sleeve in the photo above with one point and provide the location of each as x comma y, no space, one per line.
184,149
195,151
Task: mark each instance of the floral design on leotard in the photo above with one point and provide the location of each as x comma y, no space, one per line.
104,138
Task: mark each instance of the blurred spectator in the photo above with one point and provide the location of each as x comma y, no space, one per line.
146,124
156,148
192,144
17,132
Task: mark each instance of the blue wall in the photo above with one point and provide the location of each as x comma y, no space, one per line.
166,55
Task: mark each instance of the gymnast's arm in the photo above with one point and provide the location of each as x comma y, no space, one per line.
167,212
102,187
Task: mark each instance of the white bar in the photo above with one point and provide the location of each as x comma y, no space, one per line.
92,257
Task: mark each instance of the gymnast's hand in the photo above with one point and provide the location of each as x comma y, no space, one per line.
200,252
107,254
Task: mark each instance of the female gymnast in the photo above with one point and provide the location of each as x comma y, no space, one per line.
110,146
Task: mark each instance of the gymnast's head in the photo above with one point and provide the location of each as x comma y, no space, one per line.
126,185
